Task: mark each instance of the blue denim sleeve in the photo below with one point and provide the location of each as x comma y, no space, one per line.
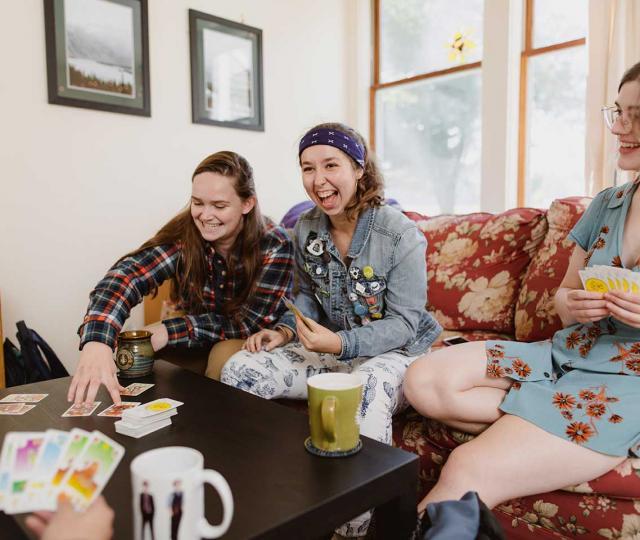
405,299
585,231
305,300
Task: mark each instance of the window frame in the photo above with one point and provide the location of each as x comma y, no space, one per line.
505,82
528,52
377,85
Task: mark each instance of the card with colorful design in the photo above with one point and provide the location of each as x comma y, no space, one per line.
153,407
82,409
91,471
78,439
15,408
22,459
602,279
135,389
23,398
116,411
33,497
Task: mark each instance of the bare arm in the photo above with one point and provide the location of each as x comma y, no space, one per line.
572,302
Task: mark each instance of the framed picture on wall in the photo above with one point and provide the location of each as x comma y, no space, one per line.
98,54
226,72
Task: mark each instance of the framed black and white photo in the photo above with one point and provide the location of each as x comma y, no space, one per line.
226,72
98,54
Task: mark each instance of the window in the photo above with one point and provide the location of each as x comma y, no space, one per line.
427,107
552,98
426,101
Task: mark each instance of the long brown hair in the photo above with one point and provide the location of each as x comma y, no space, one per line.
632,74
245,257
370,188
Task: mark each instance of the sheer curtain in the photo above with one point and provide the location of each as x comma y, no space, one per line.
613,44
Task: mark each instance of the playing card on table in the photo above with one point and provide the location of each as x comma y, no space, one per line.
22,459
82,409
117,410
91,470
34,496
135,389
15,408
153,407
23,398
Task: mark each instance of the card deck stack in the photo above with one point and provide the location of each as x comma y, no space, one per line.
37,468
144,419
602,279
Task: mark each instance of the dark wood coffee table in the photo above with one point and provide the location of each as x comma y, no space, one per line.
279,489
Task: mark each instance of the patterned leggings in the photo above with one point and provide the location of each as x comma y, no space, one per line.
283,373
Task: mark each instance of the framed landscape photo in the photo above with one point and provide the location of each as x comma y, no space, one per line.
226,72
98,54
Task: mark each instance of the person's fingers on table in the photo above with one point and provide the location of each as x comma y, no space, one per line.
71,393
81,388
92,390
113,387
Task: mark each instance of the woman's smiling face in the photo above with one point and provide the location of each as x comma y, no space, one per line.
627,127
329,177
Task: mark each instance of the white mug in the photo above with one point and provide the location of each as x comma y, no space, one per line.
168,495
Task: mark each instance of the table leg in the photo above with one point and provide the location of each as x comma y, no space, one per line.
396,519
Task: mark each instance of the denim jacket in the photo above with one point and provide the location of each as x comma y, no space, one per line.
375,299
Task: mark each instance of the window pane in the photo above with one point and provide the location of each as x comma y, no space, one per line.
418,36
555,126
555,21
428,143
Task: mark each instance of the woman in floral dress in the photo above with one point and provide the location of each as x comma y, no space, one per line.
564,410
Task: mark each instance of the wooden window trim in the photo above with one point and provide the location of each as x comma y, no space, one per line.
377,85
529,52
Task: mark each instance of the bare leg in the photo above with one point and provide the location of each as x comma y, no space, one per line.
511,449
451,385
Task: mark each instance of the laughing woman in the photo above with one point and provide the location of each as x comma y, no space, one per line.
566,410
363,288
229,268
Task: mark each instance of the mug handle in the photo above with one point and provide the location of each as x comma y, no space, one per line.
217,481
328,415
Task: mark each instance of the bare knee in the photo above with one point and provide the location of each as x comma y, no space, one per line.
424,387
467,469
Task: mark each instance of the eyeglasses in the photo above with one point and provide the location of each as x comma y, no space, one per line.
612,113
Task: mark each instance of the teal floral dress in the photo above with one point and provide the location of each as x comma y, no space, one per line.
584,384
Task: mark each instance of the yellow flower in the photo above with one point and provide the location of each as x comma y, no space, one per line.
460,45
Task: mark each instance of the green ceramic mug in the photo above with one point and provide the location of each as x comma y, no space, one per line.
134,356
334,403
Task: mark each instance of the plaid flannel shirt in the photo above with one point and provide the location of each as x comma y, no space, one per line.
132,278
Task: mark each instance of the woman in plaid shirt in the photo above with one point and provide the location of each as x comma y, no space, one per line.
229,266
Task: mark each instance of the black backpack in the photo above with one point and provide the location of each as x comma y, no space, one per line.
34,361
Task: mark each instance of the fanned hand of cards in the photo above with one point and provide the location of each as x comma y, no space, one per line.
602,279
38,468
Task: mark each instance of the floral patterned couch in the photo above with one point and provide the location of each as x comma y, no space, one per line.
494,276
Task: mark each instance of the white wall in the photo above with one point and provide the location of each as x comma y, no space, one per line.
79,188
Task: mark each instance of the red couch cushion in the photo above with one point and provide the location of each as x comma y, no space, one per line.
475,263
535,315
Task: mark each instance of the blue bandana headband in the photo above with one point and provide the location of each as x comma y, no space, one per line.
335,138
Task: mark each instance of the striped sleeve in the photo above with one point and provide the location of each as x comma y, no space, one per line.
124,286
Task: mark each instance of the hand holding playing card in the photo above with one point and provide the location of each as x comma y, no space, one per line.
585,306
624,306
96,522
317,338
